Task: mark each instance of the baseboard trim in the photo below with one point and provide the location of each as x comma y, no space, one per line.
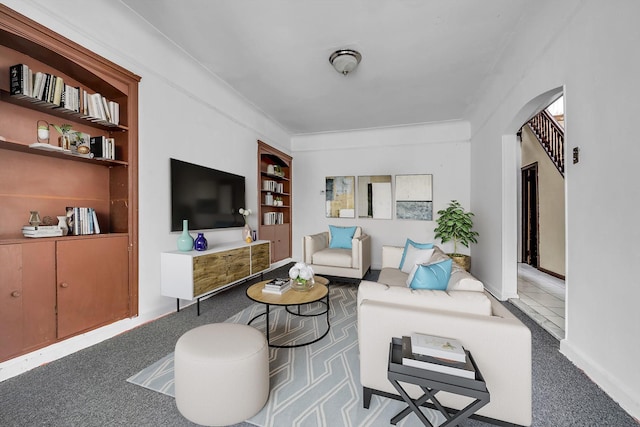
623,396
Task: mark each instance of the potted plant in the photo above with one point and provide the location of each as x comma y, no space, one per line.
456,225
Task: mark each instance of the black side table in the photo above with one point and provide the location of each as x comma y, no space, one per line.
432,382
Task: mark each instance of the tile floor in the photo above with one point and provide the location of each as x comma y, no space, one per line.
542,298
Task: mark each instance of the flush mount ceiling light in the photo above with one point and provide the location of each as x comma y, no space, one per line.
345,60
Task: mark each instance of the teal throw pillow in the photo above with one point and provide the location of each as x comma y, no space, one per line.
341,237
415,245
432,276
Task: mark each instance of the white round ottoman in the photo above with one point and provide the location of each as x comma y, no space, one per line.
221,373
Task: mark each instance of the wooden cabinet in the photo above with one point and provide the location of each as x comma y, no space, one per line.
274,192
193,274
27,297
52,290
49,181
280,239
216,269
92,283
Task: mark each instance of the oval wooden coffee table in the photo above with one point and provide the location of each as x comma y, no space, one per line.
319,293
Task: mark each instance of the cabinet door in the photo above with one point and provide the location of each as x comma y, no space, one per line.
238,264
209,272
92,283
282,247
260,258
27,297
268,232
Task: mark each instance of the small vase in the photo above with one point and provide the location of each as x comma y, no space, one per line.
185,241
62,223
200,244
302,285
246,234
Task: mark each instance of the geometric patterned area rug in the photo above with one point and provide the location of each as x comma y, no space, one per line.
314,385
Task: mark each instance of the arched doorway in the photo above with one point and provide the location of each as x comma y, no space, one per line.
521,206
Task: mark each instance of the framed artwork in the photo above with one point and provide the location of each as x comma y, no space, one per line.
340,196
414,197
375,199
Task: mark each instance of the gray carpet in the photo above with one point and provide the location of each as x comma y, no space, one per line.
312,385
89,388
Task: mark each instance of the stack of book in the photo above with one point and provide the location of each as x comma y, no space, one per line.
277,286
445,355
82,221
103,148
52,91
271,218
41,231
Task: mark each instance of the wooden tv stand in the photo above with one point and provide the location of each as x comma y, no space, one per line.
196,275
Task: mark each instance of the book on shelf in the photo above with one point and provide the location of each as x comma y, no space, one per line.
103,148
41,231
51,91
39,227
446,366
37,234
20,77
435,346
272,218
82,220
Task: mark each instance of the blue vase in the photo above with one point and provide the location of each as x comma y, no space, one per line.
185,241
200,244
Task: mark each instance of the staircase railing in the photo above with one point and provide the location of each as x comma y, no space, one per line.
551,137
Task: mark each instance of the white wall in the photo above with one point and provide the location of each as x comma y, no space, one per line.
440,149
184,112
587,47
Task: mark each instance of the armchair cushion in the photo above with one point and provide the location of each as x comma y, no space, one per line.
333,257
341,237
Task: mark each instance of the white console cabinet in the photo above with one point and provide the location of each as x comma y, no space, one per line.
195,274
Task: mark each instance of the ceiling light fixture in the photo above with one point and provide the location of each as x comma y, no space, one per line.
345,60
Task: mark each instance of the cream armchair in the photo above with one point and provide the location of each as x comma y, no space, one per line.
351,262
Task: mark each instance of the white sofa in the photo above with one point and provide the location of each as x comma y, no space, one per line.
499,342
352,263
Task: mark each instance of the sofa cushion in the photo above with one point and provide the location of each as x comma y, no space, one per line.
456,301
341,237
461,280
413,245
392,277
414,256
333,257
431,276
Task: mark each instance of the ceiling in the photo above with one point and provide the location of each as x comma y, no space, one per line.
422,60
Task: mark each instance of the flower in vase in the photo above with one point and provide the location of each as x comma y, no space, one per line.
301,272
245,213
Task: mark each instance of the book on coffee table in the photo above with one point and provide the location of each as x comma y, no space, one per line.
277,286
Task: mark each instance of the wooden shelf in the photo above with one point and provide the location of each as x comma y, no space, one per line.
56,110
82,281
278,234
23,148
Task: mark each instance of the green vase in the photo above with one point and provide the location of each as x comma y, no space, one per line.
185,241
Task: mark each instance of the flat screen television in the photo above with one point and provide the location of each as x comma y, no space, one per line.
207,198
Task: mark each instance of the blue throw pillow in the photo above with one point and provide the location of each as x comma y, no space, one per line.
341,237
432,276
415,245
